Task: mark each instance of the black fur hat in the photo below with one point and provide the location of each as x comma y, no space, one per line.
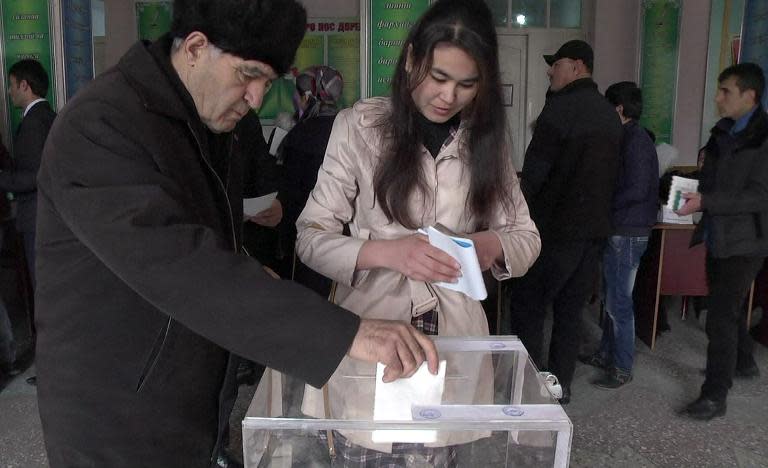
269,31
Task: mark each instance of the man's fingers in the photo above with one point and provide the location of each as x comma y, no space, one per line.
427,346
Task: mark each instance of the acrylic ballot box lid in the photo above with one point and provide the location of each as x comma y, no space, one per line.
492,408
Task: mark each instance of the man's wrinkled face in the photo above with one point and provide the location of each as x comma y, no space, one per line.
226,87
731,101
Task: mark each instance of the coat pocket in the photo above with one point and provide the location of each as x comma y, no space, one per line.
154,354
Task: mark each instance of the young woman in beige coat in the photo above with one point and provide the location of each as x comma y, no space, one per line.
437,151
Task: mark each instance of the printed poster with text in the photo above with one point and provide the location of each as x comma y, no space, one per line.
26,35
153,19
389,23
658,73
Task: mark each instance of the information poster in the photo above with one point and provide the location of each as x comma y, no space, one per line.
26,35
723,51
328,41
755,41
658,73
153,19
388,23
78,45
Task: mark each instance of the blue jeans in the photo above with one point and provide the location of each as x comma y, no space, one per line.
620,261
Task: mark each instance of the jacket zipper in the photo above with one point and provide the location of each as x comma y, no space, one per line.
153,357
229,211
221,184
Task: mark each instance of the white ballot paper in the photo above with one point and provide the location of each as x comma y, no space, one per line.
463,250
277,138
254,206
393,402
680,185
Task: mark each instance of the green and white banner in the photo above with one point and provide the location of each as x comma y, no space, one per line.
388,23
26,35
153,19
658,73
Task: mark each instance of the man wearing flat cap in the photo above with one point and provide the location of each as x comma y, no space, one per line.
568,180
143,296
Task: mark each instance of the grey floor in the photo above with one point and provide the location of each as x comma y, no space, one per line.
635,426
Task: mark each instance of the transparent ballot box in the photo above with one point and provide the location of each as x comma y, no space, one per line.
487,407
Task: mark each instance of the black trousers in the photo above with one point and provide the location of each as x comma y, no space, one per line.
562,276
730,345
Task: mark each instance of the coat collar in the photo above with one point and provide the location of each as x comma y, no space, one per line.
156,83
576,85
752,136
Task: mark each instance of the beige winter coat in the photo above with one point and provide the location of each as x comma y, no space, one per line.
344,195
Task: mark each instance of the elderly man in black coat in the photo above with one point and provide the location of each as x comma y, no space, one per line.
143,294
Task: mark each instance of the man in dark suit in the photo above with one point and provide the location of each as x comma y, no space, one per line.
27,87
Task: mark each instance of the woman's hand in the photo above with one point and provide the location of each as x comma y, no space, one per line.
413,256
270,217
488,247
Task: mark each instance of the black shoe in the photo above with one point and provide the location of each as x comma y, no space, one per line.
613,379
566,398
704,409
594,360
32,380
747,372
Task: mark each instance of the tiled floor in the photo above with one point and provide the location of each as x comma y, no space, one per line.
634,426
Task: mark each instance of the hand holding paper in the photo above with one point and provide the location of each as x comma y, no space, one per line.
463,250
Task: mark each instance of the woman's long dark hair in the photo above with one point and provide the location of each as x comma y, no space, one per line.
468,25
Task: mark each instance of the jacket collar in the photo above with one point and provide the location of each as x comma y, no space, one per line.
752,136
154,81
576,85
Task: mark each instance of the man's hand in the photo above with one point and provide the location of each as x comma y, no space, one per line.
270,217
397,345
488,247
692,203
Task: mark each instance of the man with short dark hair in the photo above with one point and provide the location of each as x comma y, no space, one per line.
27,87
733,196
143,293
635,207
568,180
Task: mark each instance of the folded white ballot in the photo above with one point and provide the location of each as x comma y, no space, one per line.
680,185
463,251
393,402
254,206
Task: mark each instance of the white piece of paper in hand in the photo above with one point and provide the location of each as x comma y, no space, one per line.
254,206
393,402
463,250
277,137
680,185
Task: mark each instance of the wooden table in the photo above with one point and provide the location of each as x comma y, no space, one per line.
669,268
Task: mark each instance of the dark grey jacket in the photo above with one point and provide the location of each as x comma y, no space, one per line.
734,190
572,163
27,149
142,293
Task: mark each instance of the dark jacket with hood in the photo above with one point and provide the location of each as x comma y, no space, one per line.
143,293
733,183
571,164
